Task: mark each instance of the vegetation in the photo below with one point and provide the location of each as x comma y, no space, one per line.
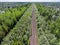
20,34
9,19
15,24
48,25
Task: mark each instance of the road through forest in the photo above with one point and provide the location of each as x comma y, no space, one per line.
33,38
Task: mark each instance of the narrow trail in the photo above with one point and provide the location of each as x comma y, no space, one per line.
33,38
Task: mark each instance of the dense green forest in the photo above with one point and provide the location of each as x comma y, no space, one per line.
16,19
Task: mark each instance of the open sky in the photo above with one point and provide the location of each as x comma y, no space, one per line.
29,0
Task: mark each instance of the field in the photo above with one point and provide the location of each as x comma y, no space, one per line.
29,23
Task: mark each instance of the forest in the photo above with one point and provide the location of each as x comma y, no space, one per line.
29,23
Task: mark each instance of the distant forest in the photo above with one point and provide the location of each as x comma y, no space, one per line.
51,3
14,4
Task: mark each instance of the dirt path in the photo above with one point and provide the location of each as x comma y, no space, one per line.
33,39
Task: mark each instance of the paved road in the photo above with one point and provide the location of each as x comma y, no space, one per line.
33,39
